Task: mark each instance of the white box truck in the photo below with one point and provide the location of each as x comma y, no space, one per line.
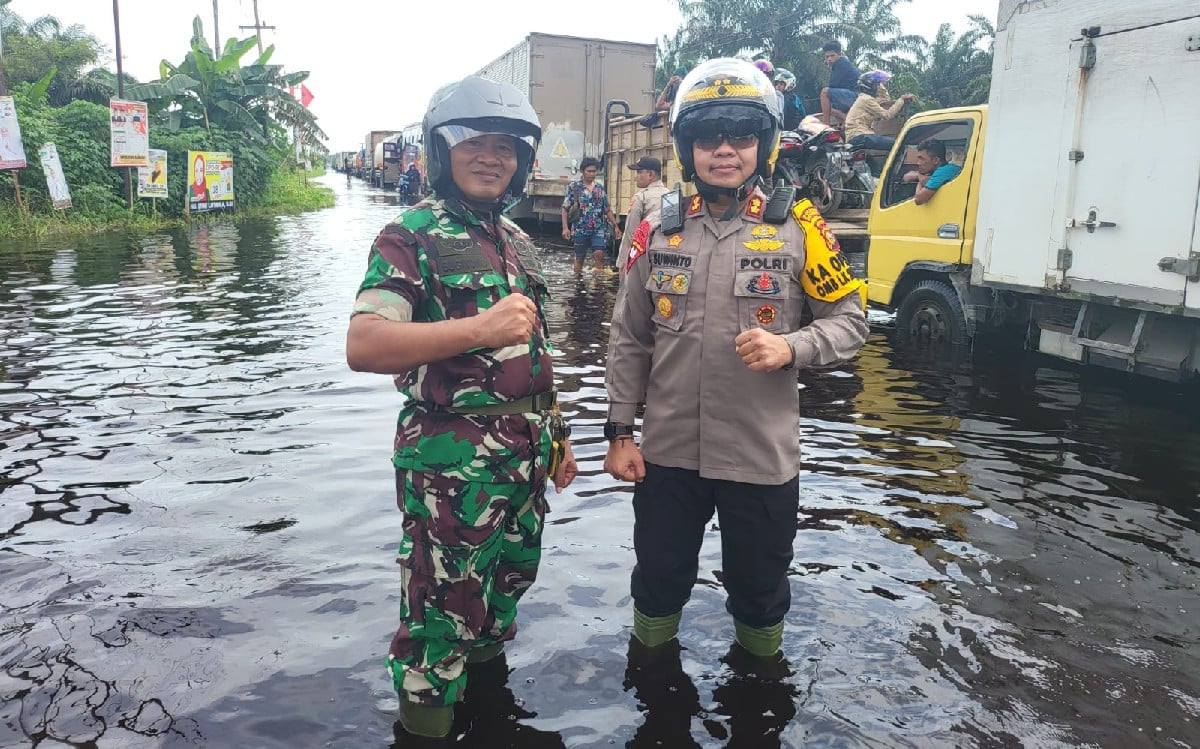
569,80
1075,217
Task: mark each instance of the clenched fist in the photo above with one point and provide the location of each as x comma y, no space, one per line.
508,322
762,351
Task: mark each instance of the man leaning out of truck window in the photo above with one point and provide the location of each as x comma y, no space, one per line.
933,170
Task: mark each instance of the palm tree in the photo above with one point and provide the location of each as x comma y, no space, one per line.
869,31
951,70
31,49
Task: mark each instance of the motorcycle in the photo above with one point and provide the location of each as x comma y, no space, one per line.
806,161
832,174
857,175
409,193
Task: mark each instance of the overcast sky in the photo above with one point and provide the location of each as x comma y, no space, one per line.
375,64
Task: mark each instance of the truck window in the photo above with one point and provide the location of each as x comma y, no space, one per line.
956,134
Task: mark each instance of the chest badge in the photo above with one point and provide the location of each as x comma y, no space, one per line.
764,284
661,278
764,239
680,283
675,240
766,314
665,307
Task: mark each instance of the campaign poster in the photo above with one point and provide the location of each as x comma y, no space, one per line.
152,179
130,133
12,152
210,181
55,181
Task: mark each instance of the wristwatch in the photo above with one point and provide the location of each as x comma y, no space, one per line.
612,430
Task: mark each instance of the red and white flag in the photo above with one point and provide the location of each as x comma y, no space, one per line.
305,96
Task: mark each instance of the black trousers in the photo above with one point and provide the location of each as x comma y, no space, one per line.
672,507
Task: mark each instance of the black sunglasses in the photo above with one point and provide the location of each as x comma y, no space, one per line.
713,142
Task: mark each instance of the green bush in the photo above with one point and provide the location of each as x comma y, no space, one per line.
81,132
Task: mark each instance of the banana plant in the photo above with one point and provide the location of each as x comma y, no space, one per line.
215,91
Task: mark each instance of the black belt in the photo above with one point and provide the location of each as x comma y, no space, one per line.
535,403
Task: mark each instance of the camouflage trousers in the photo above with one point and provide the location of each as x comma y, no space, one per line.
470,551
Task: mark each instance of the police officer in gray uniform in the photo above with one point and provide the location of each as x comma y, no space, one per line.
706,333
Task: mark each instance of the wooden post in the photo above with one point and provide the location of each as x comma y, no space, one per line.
258,28
216,32
4,92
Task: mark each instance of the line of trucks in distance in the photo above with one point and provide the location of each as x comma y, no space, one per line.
1074,223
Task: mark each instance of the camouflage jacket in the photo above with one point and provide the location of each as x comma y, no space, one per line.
441,261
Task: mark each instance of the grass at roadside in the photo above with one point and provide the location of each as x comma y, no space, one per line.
288,193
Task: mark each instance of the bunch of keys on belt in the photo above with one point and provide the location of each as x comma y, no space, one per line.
560,432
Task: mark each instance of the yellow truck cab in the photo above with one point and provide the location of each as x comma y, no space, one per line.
926,246
1063,226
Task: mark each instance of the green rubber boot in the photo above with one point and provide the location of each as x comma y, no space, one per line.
654,631
763,642
485,653
423,720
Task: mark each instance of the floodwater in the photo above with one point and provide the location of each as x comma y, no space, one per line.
197,528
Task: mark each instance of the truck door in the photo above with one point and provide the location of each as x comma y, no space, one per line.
942,230
1131,208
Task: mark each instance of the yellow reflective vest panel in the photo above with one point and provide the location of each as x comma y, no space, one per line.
685,298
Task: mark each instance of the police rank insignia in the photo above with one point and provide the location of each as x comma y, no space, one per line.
764,284
764,239
661,278
675,240
695,206
763,245
754,209
666,309
680,284
766,314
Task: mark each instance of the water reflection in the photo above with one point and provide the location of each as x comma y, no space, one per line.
196,530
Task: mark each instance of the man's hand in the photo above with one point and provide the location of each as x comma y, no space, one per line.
912,176
762,351
568,469
909,97
617,232
508,322
566,233
624,460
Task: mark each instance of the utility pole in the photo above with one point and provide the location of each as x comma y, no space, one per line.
258,27
121,95
216,31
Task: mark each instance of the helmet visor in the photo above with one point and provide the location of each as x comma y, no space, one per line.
455,134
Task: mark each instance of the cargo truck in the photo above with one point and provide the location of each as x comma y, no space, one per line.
1074,219
370,167
568,81
387,161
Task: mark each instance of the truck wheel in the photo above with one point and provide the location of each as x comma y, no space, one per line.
932,314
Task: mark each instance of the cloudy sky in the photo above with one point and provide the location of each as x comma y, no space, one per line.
375,64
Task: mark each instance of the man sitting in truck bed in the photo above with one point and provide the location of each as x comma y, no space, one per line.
933,170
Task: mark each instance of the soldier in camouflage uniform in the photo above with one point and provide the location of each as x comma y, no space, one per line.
452,305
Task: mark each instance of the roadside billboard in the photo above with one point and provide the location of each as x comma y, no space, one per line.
55,181
210,181
152,179
12,152
130,133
